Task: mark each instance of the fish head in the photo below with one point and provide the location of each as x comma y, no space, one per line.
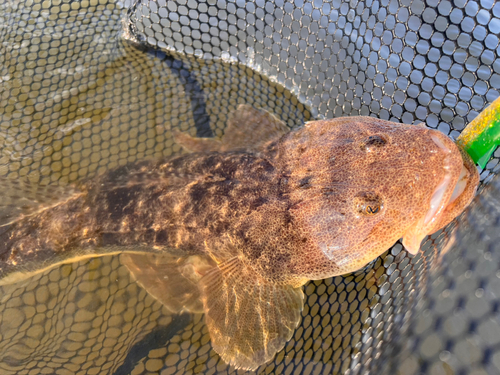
358,184
451,195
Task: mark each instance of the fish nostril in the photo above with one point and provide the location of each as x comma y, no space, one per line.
373,142
368,203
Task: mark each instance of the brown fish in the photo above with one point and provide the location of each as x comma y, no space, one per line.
238,227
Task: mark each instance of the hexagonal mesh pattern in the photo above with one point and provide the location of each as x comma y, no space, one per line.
92,84
458,330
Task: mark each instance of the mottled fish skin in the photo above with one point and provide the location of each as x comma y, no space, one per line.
319,201
171,205
355,186
292,212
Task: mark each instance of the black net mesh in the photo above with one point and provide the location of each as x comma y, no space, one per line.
457,331
89,85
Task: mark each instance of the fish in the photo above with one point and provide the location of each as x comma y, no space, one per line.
236,225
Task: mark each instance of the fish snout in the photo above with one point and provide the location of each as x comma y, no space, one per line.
453,192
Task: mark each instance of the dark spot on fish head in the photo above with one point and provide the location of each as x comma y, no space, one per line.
368,203
374,142
305,182
256,203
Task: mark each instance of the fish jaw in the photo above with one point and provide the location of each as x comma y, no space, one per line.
451,196
464,192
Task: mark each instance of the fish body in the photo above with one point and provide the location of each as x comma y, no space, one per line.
237,227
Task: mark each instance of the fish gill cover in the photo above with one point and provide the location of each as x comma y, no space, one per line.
86,86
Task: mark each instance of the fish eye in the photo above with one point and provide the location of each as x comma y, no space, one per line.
374,141
368,203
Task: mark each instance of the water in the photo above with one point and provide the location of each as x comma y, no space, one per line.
76,99
79,99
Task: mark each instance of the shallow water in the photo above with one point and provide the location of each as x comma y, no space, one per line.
77,99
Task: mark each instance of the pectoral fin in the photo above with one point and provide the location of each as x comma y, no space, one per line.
171,279
249,319
248,128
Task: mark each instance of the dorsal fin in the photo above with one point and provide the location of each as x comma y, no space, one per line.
248,128
21,198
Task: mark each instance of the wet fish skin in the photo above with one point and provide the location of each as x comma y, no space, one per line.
168,205
244,225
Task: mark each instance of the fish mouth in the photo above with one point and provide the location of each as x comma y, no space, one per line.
451,196
440,199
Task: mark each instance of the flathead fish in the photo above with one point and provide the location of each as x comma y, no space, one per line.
235,228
